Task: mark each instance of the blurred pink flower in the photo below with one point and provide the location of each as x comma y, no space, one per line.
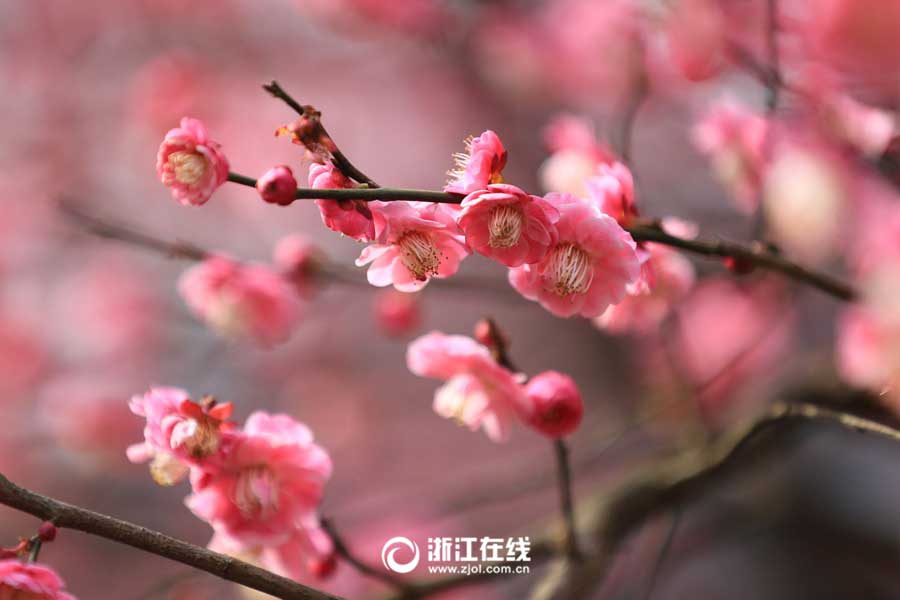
613,191
576,155
353,218
169,85
298,260
415,242
697,37
191,164
277,185
555,406
481,164
667,278
397,313
505,223
179,433
30,581
587,270
734,139
241,300
478,392
307,550
868,352
270,486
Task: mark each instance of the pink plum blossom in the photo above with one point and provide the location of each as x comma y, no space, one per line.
575,155
179,432
416,241
298,260
478,392
555,406
480,165
505,223
613,191
270,486
397,313
352,218
191,164
307,550
241,300
697,38
667,276
868,352
589,268
734,139
30,581
277,185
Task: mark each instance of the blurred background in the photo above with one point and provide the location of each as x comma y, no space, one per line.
90,89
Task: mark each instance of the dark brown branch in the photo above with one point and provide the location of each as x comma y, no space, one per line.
341,162
564,480
68,516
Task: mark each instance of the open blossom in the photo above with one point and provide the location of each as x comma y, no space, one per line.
191,164
613,191
241,300
576,155
667,278
481,164
589,268
179,432
478,392
734,139
353,218
277,185
505,223
416,241
555,406
270,486
30,581
308,550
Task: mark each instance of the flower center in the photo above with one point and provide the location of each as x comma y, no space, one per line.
199,437
189,167
256,492
569,270
505,226
419,254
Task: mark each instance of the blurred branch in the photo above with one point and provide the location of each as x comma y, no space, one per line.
342,550
68,516
756,254
564,480
629,117
774,61
341,162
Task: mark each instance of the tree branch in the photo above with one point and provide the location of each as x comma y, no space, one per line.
68,516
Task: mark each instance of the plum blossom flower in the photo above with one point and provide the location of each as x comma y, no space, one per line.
734,139
277,185
697,38
179,433
868,352
590,267
397,313
613,191
667,278
481,164
241,300
555,406
30,581
191,164
307,550
575,155
352,218
478,392
415,242
505,223
298,260
269,489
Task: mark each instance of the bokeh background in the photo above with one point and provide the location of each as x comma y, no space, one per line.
88,91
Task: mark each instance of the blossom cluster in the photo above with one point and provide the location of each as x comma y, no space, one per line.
258,486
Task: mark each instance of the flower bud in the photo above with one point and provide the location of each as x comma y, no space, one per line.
555,404
322,568
277,185
47,532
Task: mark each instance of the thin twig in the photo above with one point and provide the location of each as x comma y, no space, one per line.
342,550
68,516
342,163
564,479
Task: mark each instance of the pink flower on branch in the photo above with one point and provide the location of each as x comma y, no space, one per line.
270,486
179,433
241,300
478,392
480,165
191,164
589,268
21,581
352,218
613,191
505,223
555,406
415,242
277,185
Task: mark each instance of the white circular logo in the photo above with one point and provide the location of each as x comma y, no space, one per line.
391,547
